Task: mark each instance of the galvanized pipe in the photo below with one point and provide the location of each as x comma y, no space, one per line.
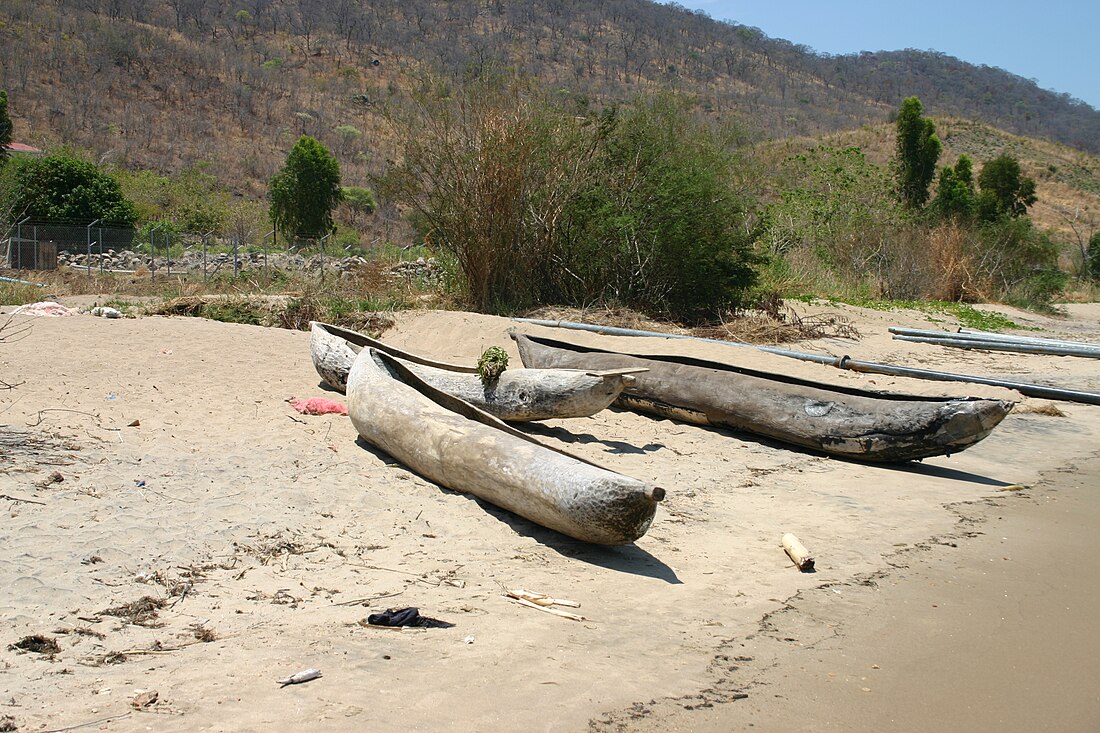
846,362
1031,390
616,331
959,343
986,336
965,334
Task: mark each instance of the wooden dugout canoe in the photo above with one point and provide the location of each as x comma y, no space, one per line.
458,446
840,421
517,395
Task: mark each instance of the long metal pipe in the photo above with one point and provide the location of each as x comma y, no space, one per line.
21,282
1001,338
959,343
616,331
986,336
846,362
1031,390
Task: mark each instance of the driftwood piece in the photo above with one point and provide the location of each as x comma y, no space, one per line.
841,421
798,552
454,444
299,677
516,395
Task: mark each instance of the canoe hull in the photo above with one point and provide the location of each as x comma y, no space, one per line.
855,424
459,447
517,395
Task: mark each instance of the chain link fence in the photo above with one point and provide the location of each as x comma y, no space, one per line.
32,245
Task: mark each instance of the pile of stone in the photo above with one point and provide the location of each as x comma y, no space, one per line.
220,263
423,269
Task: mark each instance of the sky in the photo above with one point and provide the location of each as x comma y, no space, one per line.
1052,42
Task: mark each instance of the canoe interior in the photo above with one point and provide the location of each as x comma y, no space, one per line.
403,374
362,341
771,376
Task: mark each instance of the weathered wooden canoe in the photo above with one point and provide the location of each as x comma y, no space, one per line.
517,395
845,422
454,444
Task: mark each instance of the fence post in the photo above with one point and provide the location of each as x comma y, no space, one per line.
205,237
88,262
236,261
267,270
19,246
153,253
322,243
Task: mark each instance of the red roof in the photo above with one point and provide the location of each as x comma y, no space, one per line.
21,148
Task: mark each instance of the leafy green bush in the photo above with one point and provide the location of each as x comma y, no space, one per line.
657,224
1094,257
62,188
534,204
1015,259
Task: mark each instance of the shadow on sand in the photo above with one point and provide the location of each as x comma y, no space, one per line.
629,559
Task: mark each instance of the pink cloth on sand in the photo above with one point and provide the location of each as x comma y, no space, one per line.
319,406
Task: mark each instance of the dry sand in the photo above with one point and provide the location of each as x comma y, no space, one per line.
188,479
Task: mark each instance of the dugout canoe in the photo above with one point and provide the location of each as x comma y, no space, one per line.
454,444
517,395
841,421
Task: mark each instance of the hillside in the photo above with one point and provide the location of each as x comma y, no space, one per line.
162,84
1068,179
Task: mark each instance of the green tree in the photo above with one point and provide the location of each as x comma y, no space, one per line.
359,199
955,197
1004,190
916,154
533,203
659,224
5,126
1094,257
65,189
306,190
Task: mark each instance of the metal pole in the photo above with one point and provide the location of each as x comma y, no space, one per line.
1031,390
236,262
958,343
168,253
964,334
205,237
846,362
89,262
153,253
19,246
267,270
616,331
1013,338
322,243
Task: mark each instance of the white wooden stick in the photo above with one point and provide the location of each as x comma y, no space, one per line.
547,609
798,552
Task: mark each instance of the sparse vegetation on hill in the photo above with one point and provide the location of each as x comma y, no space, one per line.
590,195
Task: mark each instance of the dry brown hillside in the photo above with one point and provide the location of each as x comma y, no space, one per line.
1068,179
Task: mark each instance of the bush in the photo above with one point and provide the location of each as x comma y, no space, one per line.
61,188
1015,260
533,204
657,224
1094,257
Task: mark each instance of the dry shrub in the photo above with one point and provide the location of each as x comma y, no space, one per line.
38,644
950,279
772,321
142,612
604,315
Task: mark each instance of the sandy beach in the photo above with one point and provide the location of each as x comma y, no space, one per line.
172,525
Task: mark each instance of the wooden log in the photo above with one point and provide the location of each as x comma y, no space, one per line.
798,553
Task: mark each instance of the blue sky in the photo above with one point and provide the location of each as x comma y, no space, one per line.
1053,42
